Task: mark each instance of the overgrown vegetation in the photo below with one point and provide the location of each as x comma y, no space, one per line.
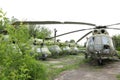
15,60
116,40
15,47
39,32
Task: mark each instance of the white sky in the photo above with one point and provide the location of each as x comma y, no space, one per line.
100,12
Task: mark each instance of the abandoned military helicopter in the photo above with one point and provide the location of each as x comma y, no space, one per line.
98,46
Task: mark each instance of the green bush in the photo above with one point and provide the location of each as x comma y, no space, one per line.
23,68
15,60
118,48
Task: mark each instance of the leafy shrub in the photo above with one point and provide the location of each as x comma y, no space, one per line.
22,68
16,62
40,32
118,48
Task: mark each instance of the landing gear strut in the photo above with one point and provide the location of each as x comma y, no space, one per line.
100,61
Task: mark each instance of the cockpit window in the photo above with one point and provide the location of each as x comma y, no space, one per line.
98,40
105,40
91,41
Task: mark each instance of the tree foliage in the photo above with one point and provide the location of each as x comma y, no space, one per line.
43,33
3,20
116,40
72,41
39,32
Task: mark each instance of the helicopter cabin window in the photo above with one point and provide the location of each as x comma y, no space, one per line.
105,40
98,43
90,44
91,41
98,40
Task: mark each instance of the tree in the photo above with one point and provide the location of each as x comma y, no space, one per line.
33,30
13,19
39,32
3,20
72,41
116,41
43,33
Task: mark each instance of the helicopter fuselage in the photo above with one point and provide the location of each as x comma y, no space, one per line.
100,46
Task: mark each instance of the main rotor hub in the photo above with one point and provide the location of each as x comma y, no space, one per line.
99,27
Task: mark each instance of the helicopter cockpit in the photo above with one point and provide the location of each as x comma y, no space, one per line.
102,43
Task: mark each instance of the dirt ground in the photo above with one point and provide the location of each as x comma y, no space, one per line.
87,71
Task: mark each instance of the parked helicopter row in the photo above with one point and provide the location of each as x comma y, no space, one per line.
99,46
49,48
42,50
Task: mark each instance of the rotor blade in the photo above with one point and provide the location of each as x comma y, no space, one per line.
50,22
83,23
36,22
69,33
113,24
114,28
83,36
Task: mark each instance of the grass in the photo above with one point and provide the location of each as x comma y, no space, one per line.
118,76
69,62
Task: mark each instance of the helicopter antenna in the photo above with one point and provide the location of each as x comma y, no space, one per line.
55,32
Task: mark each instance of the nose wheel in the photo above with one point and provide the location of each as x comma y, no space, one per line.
100,61
44,56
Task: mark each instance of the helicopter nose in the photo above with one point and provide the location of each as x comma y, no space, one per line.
106,49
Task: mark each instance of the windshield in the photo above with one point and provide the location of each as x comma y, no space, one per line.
98,40
105,40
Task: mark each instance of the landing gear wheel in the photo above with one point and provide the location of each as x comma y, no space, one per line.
44,56
100,62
